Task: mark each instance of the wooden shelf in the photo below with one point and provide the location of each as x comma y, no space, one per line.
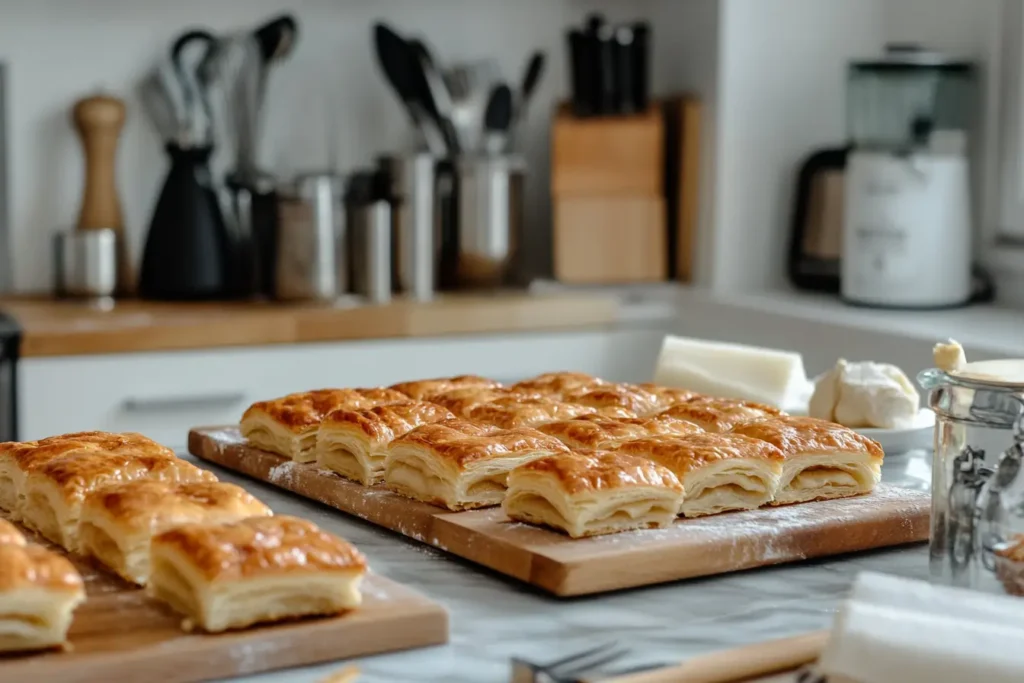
61,328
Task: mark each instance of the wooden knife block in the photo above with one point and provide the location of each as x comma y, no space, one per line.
622,210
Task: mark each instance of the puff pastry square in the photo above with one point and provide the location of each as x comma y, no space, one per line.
354,443
288,425
720,472
822,459
419,389
16,459
615,400
666,397
39,591
119,521
720,414
10,533
462,400
594,493
55,490
555,384
460,465
596,432
513,412
261,569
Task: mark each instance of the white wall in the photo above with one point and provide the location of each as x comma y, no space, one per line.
60,50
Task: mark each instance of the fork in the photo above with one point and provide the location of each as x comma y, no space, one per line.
570,669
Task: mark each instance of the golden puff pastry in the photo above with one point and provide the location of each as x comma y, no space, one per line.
39,591
10,533
587,494
596,432
55,490
419,389
513,411
119,521
462,400
720,414
557,383
353,443
720,472
666,397
16,459
822,459
615,400
257,570
288,425
460,465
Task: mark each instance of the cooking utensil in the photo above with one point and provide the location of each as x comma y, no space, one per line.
396,61
624,70
311,261
641,63
470,86
435,95
188,51
531,78
498,118
160,106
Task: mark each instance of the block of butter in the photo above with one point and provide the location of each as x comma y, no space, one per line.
729,370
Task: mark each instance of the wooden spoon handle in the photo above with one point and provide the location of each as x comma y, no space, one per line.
740,664
99,120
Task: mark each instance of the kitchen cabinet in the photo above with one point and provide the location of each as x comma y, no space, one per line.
162,394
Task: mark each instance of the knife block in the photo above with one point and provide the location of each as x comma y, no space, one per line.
623,194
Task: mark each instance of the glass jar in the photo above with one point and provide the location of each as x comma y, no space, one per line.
977,485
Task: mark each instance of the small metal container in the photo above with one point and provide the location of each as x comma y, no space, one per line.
85,264
311,263
489,218
371,251
411,181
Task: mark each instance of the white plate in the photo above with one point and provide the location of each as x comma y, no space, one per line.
896,441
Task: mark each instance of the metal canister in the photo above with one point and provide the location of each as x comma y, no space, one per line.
489,218
85,264
371,250
311,262
411,181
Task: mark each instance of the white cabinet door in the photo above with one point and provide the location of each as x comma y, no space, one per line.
163,394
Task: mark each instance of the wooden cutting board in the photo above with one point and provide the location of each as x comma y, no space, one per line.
695,547
119,634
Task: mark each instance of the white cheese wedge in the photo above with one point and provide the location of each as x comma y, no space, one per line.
876,644
865,394
732,370
949,356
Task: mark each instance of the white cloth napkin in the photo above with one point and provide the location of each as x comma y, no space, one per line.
894,630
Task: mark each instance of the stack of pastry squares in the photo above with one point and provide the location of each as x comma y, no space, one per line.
577,453
109,496
288,425
460,465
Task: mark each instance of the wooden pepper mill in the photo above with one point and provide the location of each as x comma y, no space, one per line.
99,120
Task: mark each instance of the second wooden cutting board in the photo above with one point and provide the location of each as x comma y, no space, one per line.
690,548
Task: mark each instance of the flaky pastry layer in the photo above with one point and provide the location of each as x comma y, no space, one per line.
591,432
419,389
39,591
555,384
720,414
119,521
459,465
354,443
720,472
513,412
262,569
595,493
823,460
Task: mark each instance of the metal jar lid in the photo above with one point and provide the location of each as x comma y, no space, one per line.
983,393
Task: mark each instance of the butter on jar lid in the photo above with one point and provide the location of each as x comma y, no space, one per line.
950,358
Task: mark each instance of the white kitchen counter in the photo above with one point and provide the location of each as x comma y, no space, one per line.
494,618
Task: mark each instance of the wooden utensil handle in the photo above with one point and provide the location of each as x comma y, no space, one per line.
740,664
99,120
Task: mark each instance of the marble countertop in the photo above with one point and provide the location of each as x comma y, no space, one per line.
494,618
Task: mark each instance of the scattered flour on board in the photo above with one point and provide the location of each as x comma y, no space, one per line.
254,656
282,474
